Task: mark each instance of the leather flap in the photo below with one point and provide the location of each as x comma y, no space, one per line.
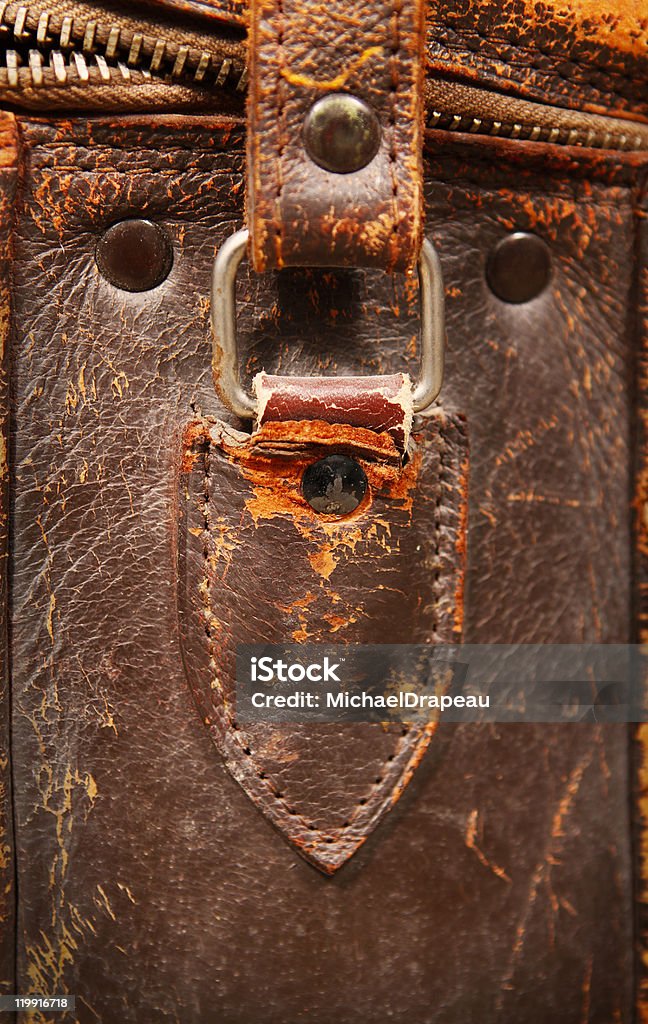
257,565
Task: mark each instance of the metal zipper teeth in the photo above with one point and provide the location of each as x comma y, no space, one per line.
46,46
588,137
95,39
59,70
80,65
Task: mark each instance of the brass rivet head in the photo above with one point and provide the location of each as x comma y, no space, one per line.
519,267
341,133
135,255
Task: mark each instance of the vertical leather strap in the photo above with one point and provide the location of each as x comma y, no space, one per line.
298,212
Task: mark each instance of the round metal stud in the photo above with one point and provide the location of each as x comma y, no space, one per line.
341,133
519,267
334,486
135,255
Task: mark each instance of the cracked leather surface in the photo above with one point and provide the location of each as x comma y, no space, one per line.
584,54
8,180
640,505
298,213
390,573
150,885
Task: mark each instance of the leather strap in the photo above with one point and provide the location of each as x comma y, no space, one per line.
381,404
299,213
258,565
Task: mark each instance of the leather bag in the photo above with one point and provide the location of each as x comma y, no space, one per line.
366,164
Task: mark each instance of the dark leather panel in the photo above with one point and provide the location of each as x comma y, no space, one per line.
258,564
499,887
300,214
585,55
8,177
640,745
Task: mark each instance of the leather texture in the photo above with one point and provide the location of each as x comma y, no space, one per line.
392,573
640,508
499,888
381,404
297,212
583,55
8,181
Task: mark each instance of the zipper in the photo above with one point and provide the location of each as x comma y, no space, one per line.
76,42
70,54
455,107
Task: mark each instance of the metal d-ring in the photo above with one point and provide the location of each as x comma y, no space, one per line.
223,316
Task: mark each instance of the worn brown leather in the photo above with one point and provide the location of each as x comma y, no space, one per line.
8,181
297,212
391,573
584,55
383,404
500,887
639,750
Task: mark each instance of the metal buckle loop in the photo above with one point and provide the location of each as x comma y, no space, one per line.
223,317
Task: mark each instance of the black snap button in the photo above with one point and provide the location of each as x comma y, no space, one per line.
341,133
519,267
135,255
334,486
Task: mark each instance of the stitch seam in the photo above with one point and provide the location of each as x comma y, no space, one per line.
278,796
280,107
437,536
393,104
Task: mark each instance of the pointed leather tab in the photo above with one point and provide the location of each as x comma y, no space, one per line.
259,565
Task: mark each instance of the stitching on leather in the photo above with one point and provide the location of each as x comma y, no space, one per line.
99,147
542,78
594,199
393,102
280,146
230,720
229,717
437,534
487,161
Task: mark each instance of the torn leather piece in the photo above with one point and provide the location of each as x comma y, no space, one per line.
381,404
297,212
257,564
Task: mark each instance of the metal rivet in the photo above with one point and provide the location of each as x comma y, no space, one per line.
135,255
334,486
341,133
519,267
